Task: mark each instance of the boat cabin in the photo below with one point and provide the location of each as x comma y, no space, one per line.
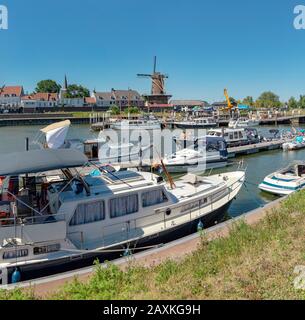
236,136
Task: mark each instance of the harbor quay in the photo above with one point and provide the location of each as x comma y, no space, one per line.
151,151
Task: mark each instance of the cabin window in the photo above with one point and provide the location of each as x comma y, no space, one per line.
152,198
15,254
47,249
124,205
231,136
235,135
88,213
240,135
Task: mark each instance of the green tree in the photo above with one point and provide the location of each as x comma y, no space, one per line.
132,110
48,86
268,99
115,110
77,91
301,103
248,101
292,103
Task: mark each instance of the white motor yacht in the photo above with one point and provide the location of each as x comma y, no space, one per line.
144,123
199,123
206,153
55,214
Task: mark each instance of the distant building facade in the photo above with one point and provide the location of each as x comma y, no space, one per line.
119,98
39,100
188,105
10,96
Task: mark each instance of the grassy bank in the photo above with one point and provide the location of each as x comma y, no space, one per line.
253,262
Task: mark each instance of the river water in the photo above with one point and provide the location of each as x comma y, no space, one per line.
12,139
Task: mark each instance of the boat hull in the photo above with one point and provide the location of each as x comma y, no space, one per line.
47,268
177,168
192,126
275,190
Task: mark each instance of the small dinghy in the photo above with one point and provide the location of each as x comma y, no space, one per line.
285,181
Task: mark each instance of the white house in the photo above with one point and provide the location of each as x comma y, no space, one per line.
39,100
10,96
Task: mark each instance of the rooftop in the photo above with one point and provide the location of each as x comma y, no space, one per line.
12,90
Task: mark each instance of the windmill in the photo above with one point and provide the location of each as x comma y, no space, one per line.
158,93
158,80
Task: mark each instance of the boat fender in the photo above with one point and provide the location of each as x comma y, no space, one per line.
168,212
200,226
16,276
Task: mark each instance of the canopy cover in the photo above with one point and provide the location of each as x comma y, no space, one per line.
34,161
56,134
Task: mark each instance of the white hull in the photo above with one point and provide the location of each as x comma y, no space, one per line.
149,127
196,167
290,146
243,124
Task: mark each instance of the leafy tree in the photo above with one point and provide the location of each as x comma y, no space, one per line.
77,91
248,101
48,86
132,110
301,103
268,100
115,110
292,103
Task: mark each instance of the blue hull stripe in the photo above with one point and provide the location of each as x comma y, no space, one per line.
283,187
280,179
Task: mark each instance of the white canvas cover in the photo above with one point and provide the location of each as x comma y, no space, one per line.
56,134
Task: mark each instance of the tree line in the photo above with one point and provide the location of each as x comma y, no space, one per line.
267,99
73,90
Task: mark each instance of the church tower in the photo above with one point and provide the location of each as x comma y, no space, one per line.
63,90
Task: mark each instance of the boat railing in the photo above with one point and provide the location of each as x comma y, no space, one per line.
41,219
170,216
48,218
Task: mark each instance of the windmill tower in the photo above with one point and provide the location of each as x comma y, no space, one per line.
158,94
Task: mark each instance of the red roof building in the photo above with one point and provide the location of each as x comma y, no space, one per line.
10,96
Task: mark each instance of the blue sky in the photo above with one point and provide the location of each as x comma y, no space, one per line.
204,46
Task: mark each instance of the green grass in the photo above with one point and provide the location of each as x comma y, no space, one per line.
253,262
